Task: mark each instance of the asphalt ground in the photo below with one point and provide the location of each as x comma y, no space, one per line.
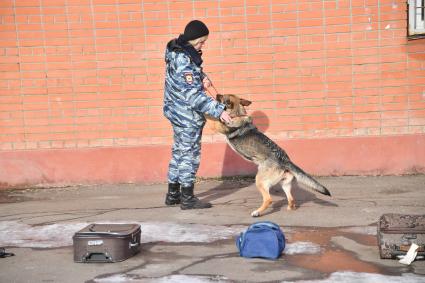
328,239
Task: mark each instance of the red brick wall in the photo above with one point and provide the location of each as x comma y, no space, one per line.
84,74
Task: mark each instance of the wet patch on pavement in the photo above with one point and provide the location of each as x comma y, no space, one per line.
337,277
13,196
310,254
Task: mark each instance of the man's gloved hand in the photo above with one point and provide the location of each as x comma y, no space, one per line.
225,117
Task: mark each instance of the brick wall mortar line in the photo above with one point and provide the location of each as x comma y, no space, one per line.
246,66
170,36
298,61
49,104
20,75
220,25
100,114
145,55
168,19
125,124
325,74
352,70
409,102
380,70
276,110
74,97
193,9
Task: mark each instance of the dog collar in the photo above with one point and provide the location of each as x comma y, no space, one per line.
241,131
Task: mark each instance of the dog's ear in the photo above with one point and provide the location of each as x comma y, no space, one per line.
219,97
245,102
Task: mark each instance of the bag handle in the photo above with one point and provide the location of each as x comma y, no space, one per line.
263,224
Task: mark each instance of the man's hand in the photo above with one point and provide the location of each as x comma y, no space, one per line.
206,82
225,117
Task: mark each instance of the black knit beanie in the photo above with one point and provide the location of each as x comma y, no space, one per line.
195,29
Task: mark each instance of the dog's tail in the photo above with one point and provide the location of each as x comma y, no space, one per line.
307,180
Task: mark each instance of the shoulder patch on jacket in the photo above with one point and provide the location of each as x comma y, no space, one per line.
188,76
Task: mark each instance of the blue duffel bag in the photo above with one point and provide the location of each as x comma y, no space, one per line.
262,239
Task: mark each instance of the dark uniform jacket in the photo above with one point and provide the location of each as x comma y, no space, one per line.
185,101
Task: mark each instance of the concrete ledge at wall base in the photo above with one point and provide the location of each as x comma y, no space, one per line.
392,155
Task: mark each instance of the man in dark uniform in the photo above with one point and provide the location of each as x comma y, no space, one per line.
185,103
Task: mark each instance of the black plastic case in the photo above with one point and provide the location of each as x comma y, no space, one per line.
106,242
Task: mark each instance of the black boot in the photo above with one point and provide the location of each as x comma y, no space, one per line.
173,195
189,201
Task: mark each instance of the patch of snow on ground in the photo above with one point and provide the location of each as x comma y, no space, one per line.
301,248
336,277
59,235
365,230
359,277
122,278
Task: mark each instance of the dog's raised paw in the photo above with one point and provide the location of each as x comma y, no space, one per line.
255,213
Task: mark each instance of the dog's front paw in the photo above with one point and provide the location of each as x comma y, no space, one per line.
255,213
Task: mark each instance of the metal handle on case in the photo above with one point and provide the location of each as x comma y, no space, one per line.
410,236
97,257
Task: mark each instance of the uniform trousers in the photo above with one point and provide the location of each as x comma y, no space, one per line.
186,155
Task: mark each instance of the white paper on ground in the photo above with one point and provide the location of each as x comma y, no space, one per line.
411,255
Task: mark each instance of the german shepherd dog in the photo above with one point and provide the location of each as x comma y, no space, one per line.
274,165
